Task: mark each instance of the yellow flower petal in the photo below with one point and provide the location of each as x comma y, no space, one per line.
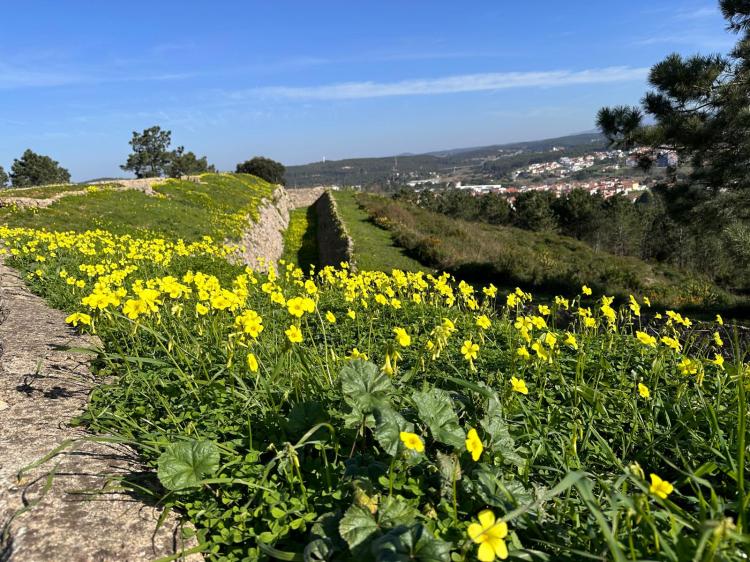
475,531
486,552
486,518
501,549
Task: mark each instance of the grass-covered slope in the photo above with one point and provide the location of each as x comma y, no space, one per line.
301,238
374,248
219,206
509,256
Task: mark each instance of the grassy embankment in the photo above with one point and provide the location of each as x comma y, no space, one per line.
511,257
46,191
219,206
374,247
301,238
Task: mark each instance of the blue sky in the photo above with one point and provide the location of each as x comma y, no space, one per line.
299,81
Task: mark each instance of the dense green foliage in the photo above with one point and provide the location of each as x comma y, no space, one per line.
35,169
265,168
4,178
698,106
187,164
510,256
683,226
152,158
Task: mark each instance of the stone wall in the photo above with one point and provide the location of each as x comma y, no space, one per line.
304,196
334,243
263,243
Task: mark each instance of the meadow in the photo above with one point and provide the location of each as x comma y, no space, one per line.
398,415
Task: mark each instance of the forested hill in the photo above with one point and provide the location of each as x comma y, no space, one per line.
500,157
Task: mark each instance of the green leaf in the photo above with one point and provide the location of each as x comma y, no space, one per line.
358,528
393,512
450,471
436,410
185,463
364,386
388,428
318,551
402,544
488,484
501,440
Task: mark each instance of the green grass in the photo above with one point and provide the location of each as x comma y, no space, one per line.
374,247
44,191
219,206
301,238
510,257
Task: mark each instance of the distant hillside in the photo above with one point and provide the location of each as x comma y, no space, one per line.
461,163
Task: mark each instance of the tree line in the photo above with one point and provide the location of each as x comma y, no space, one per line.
151,156
681,225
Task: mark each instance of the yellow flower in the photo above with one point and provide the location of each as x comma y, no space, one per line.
719,320
296,306
543,309
469,350
644,391
645,339
718,360
490,535
541,352
331,317
523,352
660,487
310,287
133,308
570,340
717,339
78,318
519,385
483,322
671,342
490,291
474,444
634,306
586,291
511,300
403,339
351,314
357,354
550,339
294,334
201,309
252,363
412,441
688,366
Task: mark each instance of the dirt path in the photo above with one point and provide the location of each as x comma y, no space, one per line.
41,388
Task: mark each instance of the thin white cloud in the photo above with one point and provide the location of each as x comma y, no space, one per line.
699,13
451,84
14,76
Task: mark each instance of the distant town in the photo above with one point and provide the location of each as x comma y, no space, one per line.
611,177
